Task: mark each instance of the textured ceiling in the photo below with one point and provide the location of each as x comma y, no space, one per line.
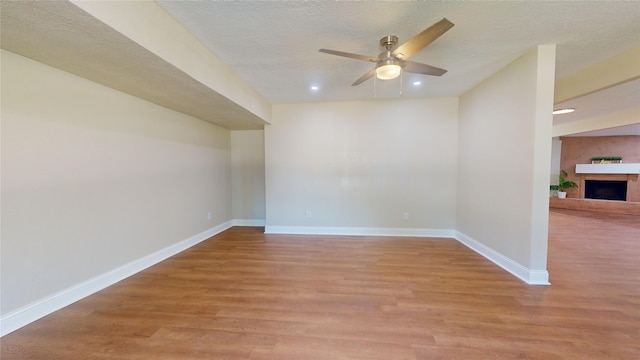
274,45
614,131
62,35
614,99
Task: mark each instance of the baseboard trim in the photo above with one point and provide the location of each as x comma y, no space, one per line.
531,277
32,312
25,315
249,222
358,231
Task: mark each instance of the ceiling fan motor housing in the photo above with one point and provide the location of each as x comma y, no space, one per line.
388,42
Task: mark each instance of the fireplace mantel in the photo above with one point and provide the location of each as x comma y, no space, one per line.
631,168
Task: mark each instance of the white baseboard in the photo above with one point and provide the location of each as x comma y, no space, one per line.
249,222
310,230
32,312
531,277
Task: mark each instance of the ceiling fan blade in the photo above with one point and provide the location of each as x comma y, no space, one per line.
423,39
419,68
365,77
349,55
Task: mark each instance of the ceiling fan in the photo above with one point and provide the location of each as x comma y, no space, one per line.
393,60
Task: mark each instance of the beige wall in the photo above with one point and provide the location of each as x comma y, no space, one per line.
93,179
504,161
247,176
362,164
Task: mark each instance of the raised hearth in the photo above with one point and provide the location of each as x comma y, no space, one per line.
616,207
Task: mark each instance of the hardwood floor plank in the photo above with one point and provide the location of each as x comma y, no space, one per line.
314,348
246,295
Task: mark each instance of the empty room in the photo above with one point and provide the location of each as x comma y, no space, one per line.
319,180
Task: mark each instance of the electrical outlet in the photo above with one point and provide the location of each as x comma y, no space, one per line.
208,216
308,214
405,216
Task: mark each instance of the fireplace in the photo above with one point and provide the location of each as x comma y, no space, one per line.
606,189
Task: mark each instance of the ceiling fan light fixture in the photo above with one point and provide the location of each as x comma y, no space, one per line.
389,69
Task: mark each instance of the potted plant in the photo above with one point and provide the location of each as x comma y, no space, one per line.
606,160
563,184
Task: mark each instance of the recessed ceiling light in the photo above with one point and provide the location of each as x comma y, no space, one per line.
563,111
314,87
416,83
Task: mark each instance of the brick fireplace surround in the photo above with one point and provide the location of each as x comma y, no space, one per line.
580,150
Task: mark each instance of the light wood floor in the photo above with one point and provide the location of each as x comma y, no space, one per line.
246,295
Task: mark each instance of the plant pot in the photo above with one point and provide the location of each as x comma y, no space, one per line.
562,194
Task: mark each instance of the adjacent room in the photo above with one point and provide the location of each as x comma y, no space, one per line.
319,180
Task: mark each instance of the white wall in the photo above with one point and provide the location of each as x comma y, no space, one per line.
93,179
357,167
247,177
504,164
